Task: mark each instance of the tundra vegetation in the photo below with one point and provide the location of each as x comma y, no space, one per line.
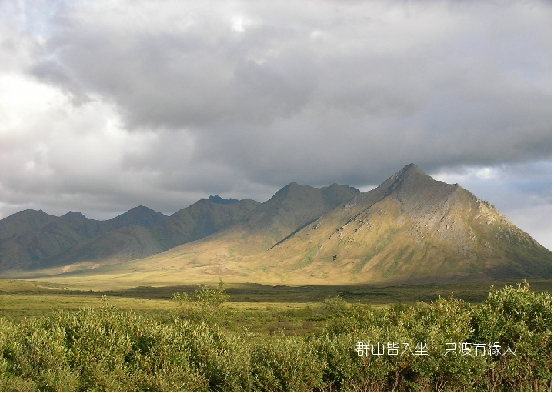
503,343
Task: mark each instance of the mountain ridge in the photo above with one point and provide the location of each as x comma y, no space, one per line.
411,228
49,241
137,233
409,218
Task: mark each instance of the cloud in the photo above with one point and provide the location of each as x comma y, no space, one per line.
463,82
105,105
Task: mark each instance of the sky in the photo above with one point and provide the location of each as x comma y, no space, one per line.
106,105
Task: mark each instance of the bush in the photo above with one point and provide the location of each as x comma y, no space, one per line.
521,321
286,364
108,350
204,304
514,318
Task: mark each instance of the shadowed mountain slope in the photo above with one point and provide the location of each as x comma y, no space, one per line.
289,210
36,246
23,222
141,232
413,229
140,215
39,240
201,219
410,229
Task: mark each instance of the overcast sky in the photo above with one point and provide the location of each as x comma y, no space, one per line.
105,105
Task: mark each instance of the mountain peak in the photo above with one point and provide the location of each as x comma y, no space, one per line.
139,209
139,215
410,170
411,228
73,216
294,186
220,200
28,220
291,190
410,179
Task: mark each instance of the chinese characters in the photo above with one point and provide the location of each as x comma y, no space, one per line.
421,349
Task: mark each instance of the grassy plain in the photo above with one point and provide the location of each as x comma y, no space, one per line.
261,308
274,338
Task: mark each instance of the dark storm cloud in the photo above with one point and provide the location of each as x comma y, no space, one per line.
192,78
52,72
162,103
330,93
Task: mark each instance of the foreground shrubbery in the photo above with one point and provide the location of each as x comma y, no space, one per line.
105,349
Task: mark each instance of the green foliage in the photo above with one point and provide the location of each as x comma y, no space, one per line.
334,307
104,349
286,364
204,304
522,321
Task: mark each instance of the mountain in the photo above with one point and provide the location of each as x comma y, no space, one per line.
289,210
410,229
140,215
413,228
34,247
33,240
201,219
24,221
40,240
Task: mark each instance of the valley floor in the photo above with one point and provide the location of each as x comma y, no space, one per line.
29,298
251,337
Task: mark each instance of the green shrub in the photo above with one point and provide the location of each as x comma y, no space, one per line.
511,317
204,304
35,356
334,307
521,321
108,350
286,364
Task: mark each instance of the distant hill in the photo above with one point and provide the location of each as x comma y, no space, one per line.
38,240
410,229
289,210
413,229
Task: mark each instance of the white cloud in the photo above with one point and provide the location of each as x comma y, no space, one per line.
105,105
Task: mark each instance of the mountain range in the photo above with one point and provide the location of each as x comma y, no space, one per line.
410,229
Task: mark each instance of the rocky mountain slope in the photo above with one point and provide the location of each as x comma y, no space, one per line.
410,229
413,229
35,240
